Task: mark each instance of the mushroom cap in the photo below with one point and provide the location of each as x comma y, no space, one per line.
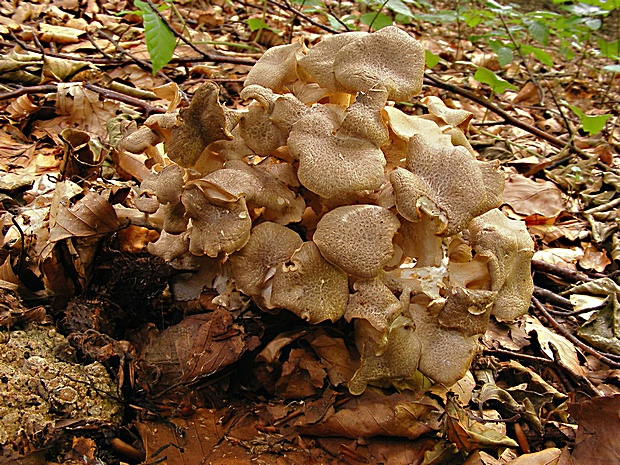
374,302
397,359
170,184
270,244
175,221
405,126
389,58
467,310
138,141
169,246
215,228
200,124
330,165
318,63
459,185
310,286
357,238
364,118
445,354
509,249
147,201
282,204
258,131
277,67
450,116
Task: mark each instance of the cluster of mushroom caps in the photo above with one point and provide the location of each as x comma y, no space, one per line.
326,200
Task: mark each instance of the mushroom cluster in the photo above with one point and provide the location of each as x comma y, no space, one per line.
324,199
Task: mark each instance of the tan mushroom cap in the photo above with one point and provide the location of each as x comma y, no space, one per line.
270,244
318,63
389,57
147,201
457,184
364,118
215,228
175,221
138,141
330,165
277,68
202,123
169,246
509,249
258,131
310,286
451,116
467,310
373,302
283,205
405,126
170,184
445,354
357,238
396,360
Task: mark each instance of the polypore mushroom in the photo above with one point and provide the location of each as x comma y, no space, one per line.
310,286
270,244
357,238
364,119
318,63
277,67
394,360
455,183
215,228
202,123
509,249
330,165
445,354
374,302
390,58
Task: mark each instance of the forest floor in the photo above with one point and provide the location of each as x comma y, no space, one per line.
79,291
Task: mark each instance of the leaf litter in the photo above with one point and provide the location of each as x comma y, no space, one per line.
215,380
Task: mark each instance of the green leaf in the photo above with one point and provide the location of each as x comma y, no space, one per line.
539,31
256,23
591,124
431,59
160,41
397,6
497,84
376,20
609,49
504,56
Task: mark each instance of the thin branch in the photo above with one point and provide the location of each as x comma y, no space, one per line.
106,93
287,7
564,273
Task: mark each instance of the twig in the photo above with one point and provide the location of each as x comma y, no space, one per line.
567,334
120,61
107,93
143,64
552,297
603,207
287,7
564,273
511,354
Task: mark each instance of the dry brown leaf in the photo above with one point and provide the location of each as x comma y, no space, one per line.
85,109
375,414
597,442
593,259
564,257
528,197
90,216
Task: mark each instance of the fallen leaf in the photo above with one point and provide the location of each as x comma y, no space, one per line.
528,197
597,442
